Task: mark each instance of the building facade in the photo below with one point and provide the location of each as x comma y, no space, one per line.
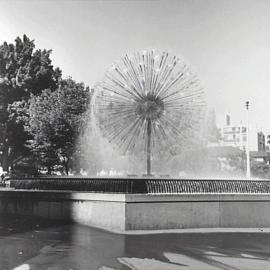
233,135
236,136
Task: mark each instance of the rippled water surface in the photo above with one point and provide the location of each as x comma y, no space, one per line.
27,243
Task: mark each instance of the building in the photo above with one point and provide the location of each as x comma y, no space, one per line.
233,135
261,141
236,136
233,142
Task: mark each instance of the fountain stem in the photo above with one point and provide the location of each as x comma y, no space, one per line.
148,149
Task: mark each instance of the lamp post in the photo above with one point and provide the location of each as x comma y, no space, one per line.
247,145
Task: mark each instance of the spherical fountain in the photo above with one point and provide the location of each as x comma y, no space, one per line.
149,102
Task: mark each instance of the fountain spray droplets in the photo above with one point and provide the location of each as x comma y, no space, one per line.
149,101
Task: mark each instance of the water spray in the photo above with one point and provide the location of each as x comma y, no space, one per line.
149,102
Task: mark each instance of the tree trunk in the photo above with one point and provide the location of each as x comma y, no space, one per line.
5,154
5,159
66,167
49,168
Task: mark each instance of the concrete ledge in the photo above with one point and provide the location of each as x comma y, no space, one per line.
197,197
129,198
196,231
128,213
68,195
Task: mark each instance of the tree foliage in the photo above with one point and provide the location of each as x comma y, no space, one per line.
24,71
260,169
54,122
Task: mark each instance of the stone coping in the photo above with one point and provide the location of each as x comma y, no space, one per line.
193,231
140,198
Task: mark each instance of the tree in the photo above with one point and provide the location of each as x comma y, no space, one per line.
23,72
54,122
260,169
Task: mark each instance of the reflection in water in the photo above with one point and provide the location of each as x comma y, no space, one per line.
37,244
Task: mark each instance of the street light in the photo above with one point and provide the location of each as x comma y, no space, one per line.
247,145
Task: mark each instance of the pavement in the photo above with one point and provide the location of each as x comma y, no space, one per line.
39,244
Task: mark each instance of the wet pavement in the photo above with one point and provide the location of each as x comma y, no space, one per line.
39,244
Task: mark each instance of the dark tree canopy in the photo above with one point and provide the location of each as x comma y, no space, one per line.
24,71
54,121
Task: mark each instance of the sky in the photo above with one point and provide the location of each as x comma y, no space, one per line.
227,43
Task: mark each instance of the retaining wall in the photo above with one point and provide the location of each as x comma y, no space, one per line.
131,212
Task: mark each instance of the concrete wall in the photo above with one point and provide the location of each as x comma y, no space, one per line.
197,211
105,211
129,212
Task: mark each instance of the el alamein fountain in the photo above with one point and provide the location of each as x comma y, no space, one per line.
149,104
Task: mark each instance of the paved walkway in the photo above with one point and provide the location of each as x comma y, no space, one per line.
36,244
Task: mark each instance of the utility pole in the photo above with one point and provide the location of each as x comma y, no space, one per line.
247,145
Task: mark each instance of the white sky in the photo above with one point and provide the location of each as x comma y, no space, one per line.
226,42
